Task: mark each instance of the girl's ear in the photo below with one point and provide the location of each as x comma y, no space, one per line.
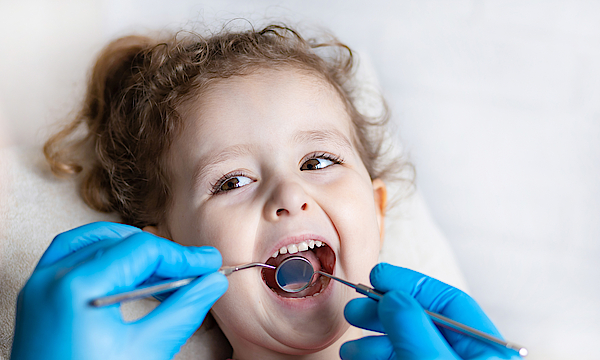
380,196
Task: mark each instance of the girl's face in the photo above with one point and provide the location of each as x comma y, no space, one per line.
266,165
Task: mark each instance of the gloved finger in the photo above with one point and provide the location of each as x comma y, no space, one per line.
362,313
80,237
410,330
181,314
130,262
385,277
438,297
368,348
433,295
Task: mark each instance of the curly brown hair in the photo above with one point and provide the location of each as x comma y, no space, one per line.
129,117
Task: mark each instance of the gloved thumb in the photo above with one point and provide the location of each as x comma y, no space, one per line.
410,329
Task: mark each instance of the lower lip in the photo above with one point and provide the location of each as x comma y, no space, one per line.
304,302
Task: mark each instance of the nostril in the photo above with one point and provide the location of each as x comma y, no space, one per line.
281,211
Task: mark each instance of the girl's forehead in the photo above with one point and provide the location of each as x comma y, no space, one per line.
267,105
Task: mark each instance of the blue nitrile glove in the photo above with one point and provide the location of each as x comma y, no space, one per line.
56,321
410,334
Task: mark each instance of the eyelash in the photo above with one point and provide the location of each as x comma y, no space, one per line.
323,155
216,187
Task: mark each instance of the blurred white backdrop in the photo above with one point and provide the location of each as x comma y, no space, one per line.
497,102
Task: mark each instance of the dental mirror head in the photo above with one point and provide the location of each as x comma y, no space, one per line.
294,274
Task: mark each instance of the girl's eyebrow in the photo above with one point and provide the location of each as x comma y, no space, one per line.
328,136
331,137
216,157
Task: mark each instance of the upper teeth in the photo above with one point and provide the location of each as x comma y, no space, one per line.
302,246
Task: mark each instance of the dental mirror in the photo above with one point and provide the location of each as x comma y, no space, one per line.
294,274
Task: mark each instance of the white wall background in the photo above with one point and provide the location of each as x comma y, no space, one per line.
498,103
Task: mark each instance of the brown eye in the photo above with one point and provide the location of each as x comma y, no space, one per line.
316,164
230,184
234,182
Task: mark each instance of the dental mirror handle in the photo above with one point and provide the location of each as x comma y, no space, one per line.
438,319
164,286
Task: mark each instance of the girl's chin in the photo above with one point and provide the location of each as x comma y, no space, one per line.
317,337
298,326
293,325
311,323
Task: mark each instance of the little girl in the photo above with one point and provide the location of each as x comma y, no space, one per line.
247,142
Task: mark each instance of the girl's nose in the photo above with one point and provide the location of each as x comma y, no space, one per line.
287,199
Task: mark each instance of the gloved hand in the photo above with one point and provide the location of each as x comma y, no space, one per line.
410,333
56,321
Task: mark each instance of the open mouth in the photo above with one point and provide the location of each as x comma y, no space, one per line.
320,255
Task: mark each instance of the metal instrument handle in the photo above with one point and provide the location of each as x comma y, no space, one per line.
164,286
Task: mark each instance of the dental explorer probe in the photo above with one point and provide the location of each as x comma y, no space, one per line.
164,286
437,318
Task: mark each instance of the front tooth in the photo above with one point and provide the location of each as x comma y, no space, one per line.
283,250
275,254
292,249
318,243
311,244
303,246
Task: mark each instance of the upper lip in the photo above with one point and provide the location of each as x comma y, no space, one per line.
296,239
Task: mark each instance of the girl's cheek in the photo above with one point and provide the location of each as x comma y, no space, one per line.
228,231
